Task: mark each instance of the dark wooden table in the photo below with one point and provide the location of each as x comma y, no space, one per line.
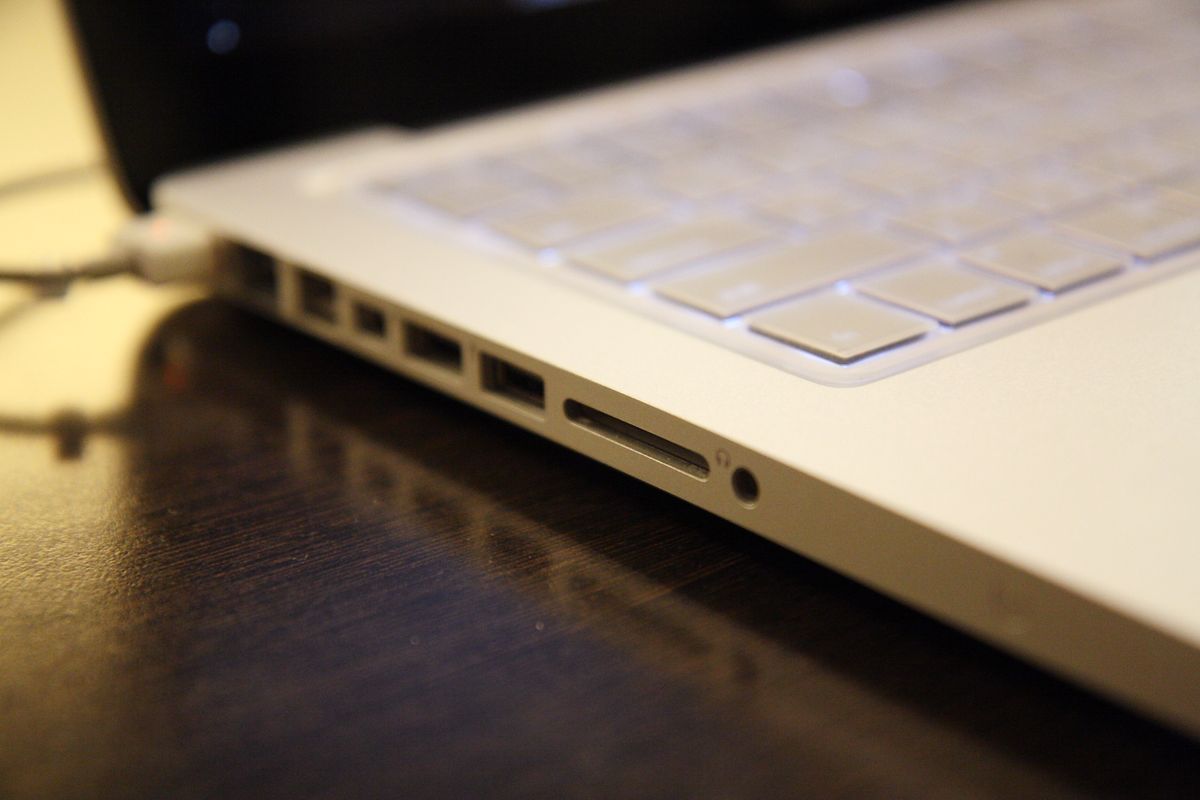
282,572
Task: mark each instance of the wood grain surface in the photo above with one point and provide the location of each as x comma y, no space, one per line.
280,572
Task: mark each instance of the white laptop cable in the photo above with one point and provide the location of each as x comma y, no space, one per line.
156,247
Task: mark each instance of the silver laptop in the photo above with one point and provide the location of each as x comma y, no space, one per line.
915,298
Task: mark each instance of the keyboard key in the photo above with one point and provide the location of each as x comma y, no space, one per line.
786,271
905,173
996,49
707,176
1085,119
666,137
1188,184
887,127
576,217
1182,137
1078,28
1049,189
1043,260
465,190
918,69
1052,75
957,220
950,294
572,163
837,90
758,113
652,252
839,327
804,151
813,204
1136,158
1150,226
979,97
997,141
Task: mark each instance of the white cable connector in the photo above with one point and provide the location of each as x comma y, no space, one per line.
163,249
156,247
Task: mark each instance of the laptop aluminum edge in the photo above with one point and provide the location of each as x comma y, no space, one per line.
1037,490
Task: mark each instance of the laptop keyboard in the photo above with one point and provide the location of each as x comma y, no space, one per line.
853,221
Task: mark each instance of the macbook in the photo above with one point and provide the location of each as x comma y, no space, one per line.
909,289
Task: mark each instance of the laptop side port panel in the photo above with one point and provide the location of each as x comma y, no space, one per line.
608,427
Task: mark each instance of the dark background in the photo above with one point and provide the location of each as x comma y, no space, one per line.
302,68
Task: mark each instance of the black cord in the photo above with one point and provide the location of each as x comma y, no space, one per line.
52,280
70,429
49,179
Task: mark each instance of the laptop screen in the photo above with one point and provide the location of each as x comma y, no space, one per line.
181,82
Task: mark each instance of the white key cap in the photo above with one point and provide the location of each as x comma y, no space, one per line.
576,217
1043,260
1182,137
787,271
888,127
707,176
1077,28
651,252
997,142
839,89
1135,158
666,137
993,48
916,69
465,191
1052,75
1148,226
759,113
971,99
950,294
813,204
1188,184
904,173
1051,189
799,151
572,163
838,327
1084,119
955,220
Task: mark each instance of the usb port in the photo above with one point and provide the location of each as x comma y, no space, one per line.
316,296
510,381
432,347
250,273
369,320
